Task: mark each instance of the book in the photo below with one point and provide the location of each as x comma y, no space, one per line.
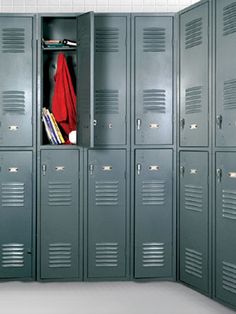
58,131
49,125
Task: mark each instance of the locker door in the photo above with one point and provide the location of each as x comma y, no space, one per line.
85,79
153,80
194,219
225,72
16,81
16,215
110,79
107,213
153,213
59,214
194,67
225,227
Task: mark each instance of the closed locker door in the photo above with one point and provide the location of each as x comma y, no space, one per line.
16,215
194,68
16,100
225,72
153,79
194,213
59,214
110,79
226,227
107,213
153,213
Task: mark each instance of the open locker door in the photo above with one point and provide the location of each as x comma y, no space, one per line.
85,86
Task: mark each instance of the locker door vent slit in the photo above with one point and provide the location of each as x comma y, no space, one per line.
13,40
154,100
107,101
107,254
154,39
229,277
107,193
230,94
229,19
107,39
13,194
60,255
153,254
13,102
229,204
13,255
153,192
193,263
193,198
193,100
193,33
59,194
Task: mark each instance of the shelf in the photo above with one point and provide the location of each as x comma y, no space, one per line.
59,48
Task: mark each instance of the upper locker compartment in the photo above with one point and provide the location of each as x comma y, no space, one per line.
225,72
194,67
67,87
16,101
153,79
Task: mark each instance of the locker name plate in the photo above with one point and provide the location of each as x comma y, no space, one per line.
193,126
13,169
193,171
60,168
154,126
232,175
154,168
13,127
107,168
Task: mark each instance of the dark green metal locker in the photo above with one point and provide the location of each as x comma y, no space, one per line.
16,88
225,254
153,79
107,213
59,214
153,213
225,73
194,213
194,76
16,215
111,54
85,79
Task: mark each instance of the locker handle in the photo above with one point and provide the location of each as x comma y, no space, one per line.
95,122
182,123
138,169
91,168
219,120
138,124
44,169
219,174
182,169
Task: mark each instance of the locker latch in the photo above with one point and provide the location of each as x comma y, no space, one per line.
91,168
219,174
138,169
138,124
44,169
182,123
219,120
182,171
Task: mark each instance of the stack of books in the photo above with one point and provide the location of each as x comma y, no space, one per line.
53,132
54,43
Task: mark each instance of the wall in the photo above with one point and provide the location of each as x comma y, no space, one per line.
94,5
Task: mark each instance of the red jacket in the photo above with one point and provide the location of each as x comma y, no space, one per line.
64,98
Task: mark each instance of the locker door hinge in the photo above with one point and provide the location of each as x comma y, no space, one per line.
181,170
219,174
44,169
219,120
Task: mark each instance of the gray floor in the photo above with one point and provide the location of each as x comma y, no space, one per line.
104,298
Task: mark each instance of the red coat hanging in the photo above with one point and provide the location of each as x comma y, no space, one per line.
64,98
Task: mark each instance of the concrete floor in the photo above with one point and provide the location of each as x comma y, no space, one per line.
104,298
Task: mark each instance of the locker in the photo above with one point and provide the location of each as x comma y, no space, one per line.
194,77
194,213
107,212
16,88
225,254
153,213
16,215
153,79
225,73
111,68
59,214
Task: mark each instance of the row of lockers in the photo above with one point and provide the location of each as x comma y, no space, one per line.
106,215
